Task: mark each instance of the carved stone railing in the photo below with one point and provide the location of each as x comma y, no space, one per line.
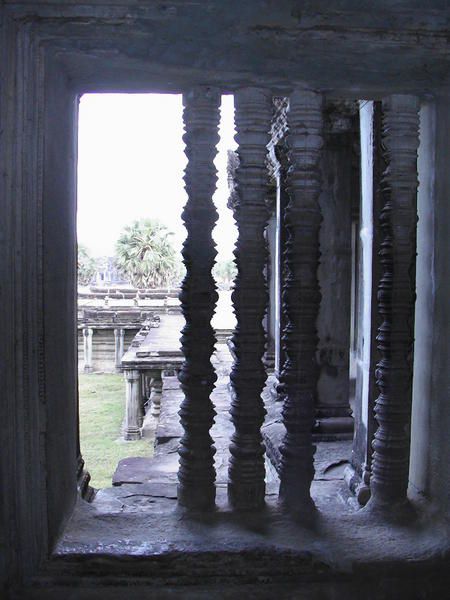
301,299
198,297
246,488
396,298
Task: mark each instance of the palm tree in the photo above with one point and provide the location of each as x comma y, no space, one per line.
145,254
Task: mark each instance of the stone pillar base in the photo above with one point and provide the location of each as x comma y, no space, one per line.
244,496
274,390
203,498
83,478
333,422
269,361
328,429
359,486
132,435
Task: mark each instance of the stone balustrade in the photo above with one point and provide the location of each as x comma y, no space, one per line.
299,244
288,140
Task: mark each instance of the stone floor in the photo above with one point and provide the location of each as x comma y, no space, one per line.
138,517
330,458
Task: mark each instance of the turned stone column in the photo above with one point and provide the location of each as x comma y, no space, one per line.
156,386
87,349
358,472
118,347
246,487
198,298
301,299
132,429
396,299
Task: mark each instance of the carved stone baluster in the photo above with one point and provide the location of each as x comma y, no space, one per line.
301,299
396,298
198,297
246,488
156,385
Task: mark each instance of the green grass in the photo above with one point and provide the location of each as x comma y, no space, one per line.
102,405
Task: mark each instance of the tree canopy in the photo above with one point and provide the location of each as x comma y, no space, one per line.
145,254
87,265
225,272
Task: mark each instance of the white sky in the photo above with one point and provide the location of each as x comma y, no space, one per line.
130,165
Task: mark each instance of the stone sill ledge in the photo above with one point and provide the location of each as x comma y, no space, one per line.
152,537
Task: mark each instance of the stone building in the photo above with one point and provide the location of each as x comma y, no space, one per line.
110,317
392,64
107,273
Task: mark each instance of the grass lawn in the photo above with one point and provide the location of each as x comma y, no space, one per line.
102,404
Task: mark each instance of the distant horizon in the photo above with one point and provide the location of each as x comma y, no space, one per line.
130,166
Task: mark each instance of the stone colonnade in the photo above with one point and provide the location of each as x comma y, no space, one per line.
119,347
300,300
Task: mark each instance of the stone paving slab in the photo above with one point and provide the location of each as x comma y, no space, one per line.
138,469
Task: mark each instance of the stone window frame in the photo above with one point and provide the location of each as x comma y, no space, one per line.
53,74
47,72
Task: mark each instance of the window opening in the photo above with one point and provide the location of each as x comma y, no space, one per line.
131,161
